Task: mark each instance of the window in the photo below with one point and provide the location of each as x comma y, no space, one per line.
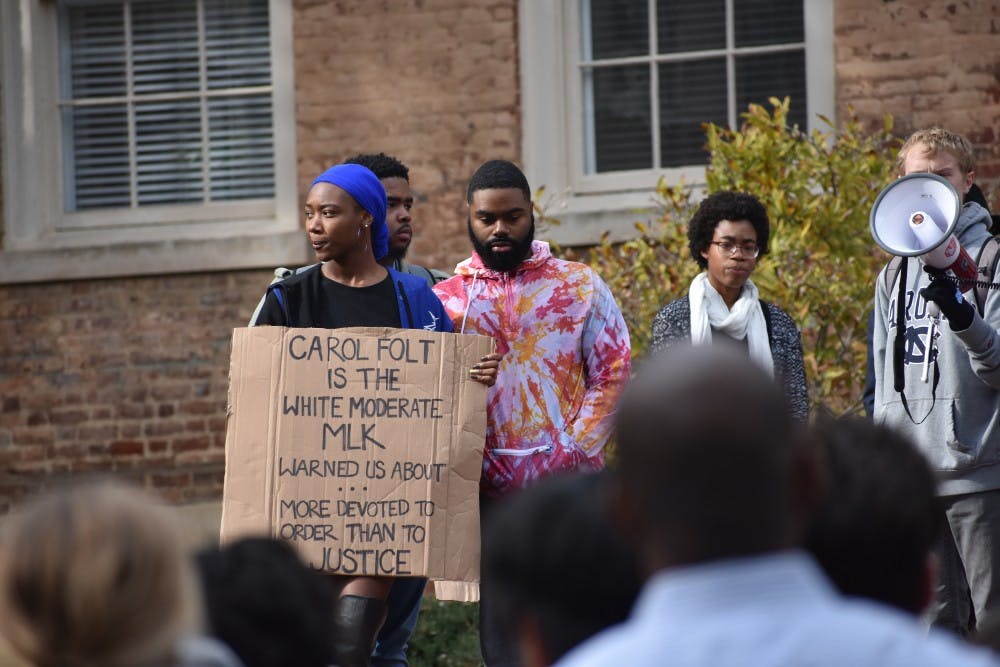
636,80
652,73
151,135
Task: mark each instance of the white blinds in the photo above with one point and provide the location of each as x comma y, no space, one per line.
166,102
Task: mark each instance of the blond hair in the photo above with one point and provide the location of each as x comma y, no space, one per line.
95,574
937,139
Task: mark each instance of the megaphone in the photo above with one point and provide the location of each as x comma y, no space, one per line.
915,216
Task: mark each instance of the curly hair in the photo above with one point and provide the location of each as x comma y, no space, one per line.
382,165
721,206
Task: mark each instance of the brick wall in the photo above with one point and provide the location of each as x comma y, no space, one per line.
926,62
433,83
126,376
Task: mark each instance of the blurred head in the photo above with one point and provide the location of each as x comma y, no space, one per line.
937,151
267,605
724,234
501,219
709,462
95,574
875,531
558,582
395,178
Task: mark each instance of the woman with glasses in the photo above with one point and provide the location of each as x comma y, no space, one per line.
727,234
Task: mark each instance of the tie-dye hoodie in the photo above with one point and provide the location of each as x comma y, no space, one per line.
567,359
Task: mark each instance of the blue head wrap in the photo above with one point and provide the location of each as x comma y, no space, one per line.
367,190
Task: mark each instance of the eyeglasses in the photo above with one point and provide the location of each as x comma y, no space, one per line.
749,249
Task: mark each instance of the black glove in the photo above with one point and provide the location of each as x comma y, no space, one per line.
947,296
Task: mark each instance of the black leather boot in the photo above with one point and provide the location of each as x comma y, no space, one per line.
356,622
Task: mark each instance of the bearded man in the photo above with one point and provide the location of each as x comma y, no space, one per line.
565,346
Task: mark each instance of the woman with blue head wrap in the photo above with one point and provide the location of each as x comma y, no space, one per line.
345,214
366,190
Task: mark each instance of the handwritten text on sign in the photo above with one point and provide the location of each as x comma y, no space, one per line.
372,435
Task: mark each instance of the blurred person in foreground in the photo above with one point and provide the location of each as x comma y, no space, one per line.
95,574
875,530
266,604
561,570
714,482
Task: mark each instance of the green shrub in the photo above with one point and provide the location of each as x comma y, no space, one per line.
818,189
447,635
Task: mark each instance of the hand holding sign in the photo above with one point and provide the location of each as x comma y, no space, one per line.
486,369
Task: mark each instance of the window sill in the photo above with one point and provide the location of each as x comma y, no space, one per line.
154,257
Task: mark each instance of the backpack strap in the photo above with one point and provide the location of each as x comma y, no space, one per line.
411,323
279,293
891,271
989,256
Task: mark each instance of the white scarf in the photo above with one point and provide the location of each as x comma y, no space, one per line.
744,321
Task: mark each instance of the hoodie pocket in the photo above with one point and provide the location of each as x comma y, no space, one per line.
968,443
513,467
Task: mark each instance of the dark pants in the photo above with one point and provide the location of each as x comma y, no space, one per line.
404,608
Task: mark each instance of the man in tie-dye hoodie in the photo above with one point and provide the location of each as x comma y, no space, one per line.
565,346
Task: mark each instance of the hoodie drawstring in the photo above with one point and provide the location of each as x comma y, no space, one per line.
468,300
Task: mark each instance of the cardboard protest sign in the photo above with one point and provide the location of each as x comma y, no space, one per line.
363,447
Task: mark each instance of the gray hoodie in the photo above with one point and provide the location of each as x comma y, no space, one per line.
958,427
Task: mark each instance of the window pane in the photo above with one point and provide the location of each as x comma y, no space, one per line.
622,135
241,149
96,51
773,75
187,147
690,26
617,28
168,152
760,22
99,158
691,93
237,43
165,46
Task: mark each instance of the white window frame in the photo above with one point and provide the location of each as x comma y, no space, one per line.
41,241
590,205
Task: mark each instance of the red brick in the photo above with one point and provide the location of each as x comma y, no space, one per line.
202,407
37,418
101,432
157,446
189,444
67,416
162,428
126,448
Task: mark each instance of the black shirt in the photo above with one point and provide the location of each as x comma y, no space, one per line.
313,300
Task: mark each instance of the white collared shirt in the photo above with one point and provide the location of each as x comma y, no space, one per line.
765,611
